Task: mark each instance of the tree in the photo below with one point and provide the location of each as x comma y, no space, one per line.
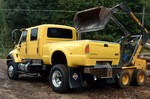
26,13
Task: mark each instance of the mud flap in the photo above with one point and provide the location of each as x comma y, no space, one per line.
75,78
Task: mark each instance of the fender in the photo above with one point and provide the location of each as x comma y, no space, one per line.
61,49
13,56
9,58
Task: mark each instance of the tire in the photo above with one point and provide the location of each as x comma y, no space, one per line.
12,71
99,83
58,78
124,79
138,77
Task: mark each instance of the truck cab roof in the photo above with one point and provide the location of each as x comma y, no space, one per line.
53,25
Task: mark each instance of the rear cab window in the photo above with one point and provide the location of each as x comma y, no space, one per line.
59,33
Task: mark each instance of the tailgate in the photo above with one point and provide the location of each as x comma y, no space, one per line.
104,50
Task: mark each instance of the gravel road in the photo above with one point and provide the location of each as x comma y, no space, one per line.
33,87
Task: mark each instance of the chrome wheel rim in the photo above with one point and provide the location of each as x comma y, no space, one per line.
10,70
57,79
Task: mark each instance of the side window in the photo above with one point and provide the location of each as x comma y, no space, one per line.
24,36
34,33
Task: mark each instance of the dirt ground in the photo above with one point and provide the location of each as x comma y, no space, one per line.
30,87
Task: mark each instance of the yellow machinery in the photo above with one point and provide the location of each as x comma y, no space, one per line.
132,67
54,52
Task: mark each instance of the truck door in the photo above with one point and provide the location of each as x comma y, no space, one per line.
23,45
32,48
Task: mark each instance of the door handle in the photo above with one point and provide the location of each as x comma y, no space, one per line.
37,50
105,45
26,50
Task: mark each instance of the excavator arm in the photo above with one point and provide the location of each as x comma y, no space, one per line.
144,32
95,19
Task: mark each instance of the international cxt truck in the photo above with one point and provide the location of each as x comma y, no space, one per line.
55,52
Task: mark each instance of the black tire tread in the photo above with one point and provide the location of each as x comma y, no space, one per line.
65,83
119,79
135,80
15,75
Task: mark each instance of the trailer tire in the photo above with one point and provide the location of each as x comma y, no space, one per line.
12,71
123,80
138,77
58,78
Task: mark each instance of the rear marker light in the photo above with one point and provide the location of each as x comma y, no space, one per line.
87,48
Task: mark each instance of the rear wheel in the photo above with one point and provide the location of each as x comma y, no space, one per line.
124,79
12,71
58,78
139,77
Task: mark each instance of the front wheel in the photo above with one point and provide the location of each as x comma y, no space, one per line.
58,78
124,79
12,71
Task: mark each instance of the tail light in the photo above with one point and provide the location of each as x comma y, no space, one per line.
87,48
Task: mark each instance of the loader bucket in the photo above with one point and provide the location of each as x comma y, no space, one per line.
92,19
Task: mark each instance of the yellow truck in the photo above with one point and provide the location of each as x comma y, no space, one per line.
54,52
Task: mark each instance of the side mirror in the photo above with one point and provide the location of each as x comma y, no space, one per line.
15,35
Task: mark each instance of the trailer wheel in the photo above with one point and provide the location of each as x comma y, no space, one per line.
139,77
58,78
12,71
124,79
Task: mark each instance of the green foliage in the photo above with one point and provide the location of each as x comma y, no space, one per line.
26,13
1,17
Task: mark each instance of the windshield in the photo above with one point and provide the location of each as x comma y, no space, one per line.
23,37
